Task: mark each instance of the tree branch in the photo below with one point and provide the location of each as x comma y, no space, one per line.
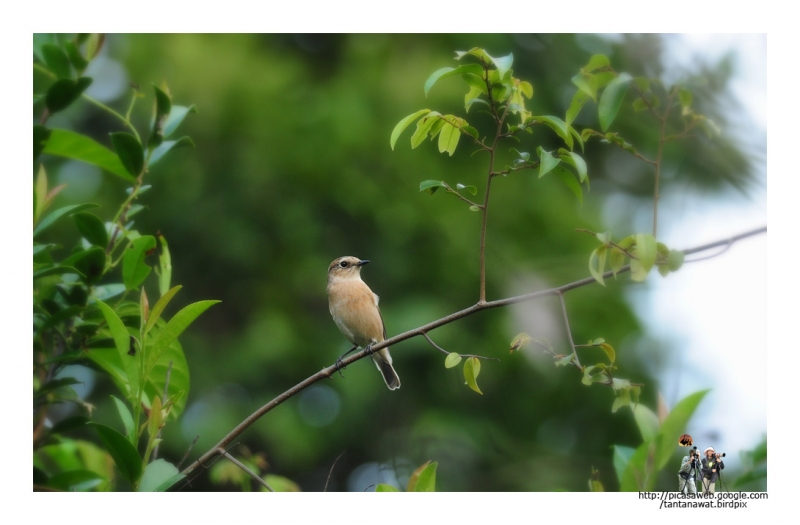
329,371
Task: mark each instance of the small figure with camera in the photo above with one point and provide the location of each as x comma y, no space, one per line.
687,475
710,469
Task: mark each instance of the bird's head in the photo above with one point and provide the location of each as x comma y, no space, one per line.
346,267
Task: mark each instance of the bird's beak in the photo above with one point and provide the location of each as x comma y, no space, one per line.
362,263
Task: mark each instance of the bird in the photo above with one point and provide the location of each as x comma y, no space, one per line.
354,308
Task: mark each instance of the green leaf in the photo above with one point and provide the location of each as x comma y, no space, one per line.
280,484
526,88
90,263
547,161
40,137
156,419
91,227
173,360
55,384
130,152
79,480
646,250
675,260
639,104
167,146
164,266
578,100
163,108
622,455
638,273
174,328
383,487
452,360
176,117
674,425
596,62
127,419
403,124
431,186
584,83
503,64
61,212
64,92
94,44
597,262
108,291
448,138
639,469
423,479
472,367
124,454
471,189
569,179
134,268
609,350
75,57
57,60
577,162
54,270
159,476
616,260
557,125
611,100
445,72
623,399
424,126
71,145
155,313
520,341
126,364
647,421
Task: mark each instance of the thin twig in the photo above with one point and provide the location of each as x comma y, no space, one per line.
188,451
439,348
569,330
331,471
331,370
244,467
723,250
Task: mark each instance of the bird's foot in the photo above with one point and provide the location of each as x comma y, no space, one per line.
339,365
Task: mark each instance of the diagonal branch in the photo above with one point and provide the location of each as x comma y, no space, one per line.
422,330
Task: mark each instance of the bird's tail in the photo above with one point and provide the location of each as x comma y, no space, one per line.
383,361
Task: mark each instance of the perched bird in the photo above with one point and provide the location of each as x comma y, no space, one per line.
355,311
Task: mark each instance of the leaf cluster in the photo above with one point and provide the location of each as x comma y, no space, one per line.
75,320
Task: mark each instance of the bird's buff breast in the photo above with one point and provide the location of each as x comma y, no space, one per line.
354,309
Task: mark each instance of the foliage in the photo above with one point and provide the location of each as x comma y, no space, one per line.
490,83
90,304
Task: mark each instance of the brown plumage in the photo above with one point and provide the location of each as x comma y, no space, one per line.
355,311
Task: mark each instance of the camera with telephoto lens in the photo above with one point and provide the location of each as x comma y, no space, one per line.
719,455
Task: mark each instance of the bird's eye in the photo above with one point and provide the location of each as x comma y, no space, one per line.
343,264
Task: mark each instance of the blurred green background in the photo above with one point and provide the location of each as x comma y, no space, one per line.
293,168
